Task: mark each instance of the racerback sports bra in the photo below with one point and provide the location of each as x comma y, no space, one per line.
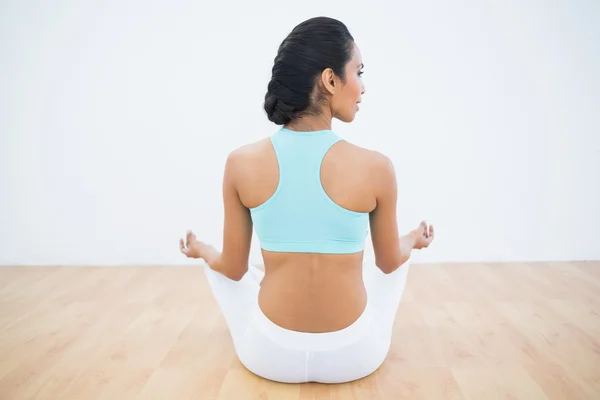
300,216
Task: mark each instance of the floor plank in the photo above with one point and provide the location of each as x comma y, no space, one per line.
463,331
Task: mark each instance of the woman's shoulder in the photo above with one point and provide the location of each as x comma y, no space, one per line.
250,151
372,158
250,158
255,153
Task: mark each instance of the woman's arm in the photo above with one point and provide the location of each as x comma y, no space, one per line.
407,244
237,233
391,250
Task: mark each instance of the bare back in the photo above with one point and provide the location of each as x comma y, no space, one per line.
312,292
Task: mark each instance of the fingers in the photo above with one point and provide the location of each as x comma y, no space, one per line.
422,229
190,238
187,246
182,247
430,235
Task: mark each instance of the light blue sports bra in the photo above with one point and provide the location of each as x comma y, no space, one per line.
300,216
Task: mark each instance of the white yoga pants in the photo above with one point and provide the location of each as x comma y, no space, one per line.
283,355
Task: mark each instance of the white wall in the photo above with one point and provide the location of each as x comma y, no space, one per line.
116,118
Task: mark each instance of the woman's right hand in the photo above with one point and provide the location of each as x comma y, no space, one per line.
191,247
423,236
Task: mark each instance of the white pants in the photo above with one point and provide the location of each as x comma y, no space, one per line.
283,355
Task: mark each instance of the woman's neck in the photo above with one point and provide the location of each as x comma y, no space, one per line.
309,124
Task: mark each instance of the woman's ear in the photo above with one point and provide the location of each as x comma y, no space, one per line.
328,80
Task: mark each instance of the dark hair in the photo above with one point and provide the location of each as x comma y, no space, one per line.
311,47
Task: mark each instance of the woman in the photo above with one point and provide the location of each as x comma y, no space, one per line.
316,314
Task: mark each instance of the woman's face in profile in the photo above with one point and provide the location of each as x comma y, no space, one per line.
345,101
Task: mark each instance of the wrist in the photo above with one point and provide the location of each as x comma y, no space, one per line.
208,253
413,238
202,250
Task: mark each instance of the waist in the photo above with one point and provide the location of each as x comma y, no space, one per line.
329,339
312,292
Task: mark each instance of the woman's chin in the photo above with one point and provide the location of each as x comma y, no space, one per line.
346,119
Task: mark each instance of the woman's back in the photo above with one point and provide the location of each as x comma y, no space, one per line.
313,287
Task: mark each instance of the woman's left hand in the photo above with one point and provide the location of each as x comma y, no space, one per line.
192,247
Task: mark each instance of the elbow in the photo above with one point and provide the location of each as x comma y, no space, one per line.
231,269
389,266
236,274
236,277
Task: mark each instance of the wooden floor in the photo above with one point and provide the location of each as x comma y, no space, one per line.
477,331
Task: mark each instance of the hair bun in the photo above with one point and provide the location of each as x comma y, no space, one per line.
277,111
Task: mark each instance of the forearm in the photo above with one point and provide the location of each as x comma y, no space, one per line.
398,257
214,259
407,244
211,255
